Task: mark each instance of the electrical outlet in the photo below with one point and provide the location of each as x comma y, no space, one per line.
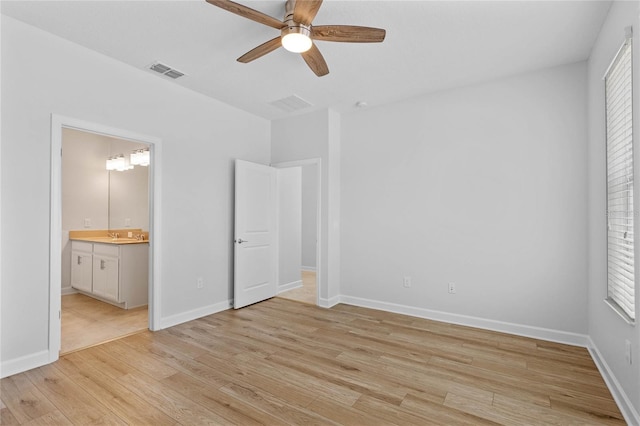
200,282
406,282
627,352
87,222
452,288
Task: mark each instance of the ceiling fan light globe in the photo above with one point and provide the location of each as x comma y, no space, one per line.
296,42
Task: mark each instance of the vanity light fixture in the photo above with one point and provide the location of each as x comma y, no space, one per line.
140,157
118,163
110,164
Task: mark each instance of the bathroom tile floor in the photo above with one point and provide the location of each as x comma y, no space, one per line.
88,322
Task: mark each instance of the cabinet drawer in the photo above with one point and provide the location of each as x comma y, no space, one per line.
81,246
108,249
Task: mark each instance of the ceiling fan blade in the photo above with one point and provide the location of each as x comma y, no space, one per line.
316,62
305,10
347,33
261,50
248,13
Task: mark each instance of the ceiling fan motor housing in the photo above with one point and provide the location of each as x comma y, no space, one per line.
296,37
296,28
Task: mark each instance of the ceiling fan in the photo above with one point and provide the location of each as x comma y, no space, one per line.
297,33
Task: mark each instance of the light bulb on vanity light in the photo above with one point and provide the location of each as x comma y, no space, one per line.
140,157
119,163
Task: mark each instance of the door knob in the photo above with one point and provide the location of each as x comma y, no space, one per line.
240,241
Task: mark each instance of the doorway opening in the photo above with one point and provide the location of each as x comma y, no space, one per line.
304,287
109,203
98,200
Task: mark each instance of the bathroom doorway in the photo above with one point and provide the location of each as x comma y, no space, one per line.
101,198
100,216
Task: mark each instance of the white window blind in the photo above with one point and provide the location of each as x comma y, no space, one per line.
620,215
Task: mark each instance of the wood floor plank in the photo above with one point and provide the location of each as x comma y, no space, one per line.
344,375
232,409
61,391
490,412
549,415
274,406
242,374
54,418
170,401
23,399
426,408
283,362
149,365
293,378
389,413
98,380
341,413
6,416
180,362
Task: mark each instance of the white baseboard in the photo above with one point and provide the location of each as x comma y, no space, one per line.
18,365
68,290
574,339
183,317
289,286
328,303
308,268
630,414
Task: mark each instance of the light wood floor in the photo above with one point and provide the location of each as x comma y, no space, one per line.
284,362
87,322
307,293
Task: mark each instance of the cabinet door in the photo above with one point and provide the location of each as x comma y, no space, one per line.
81,270
105,277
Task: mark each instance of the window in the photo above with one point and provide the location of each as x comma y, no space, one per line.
620,213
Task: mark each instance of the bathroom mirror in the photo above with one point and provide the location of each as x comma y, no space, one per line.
128,191
92,196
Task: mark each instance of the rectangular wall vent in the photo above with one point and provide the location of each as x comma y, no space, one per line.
291,103
165,70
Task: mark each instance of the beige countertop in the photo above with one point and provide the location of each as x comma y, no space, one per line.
102,236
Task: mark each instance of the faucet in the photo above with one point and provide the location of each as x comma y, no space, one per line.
114,235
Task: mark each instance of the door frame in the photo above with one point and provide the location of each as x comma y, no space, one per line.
58,122
319,244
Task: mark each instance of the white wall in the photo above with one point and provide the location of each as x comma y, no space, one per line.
309,216
289,228
607,330
321,139
200,138
484,186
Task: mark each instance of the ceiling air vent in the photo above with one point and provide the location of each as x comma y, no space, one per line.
290,104
165,70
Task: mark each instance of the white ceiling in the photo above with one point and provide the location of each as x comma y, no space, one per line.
430,45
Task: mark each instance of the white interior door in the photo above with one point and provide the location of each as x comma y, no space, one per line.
255,248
